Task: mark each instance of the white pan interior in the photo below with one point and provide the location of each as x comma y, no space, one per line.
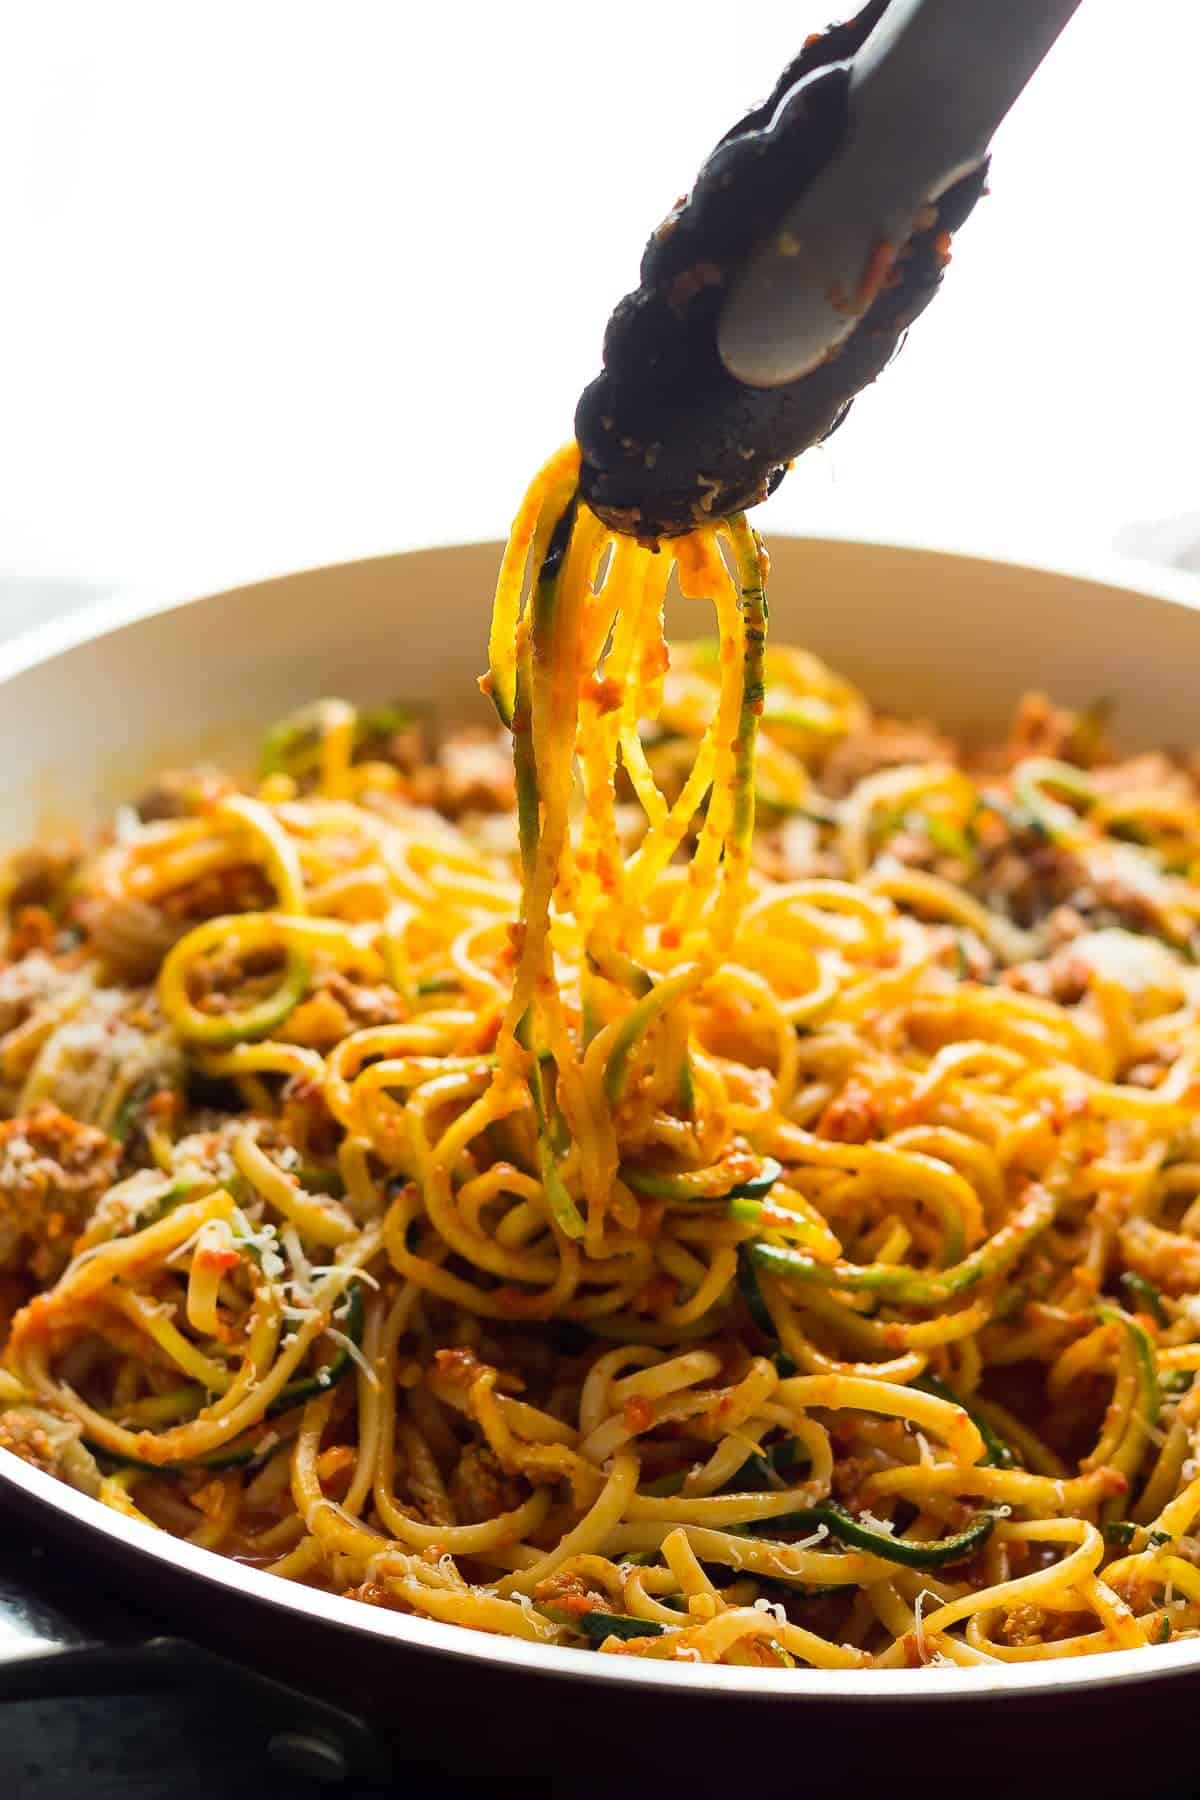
90,706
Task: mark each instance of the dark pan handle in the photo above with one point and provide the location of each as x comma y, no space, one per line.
32,1628
47,1653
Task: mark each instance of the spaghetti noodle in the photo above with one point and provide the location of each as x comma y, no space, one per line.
668,1200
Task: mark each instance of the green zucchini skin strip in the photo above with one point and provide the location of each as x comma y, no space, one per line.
525,772
802,712
1149,1393
600,1625
546,548
948,838
298,730
849,1530
999,1454
1032,778
386,721
543,604
781,1459
636,1024
566,1214
918,1287
1145,1296
745,1211
756,1187
233,1456
549,575
310,1387
307,1387
122,1126
752,1294
661,1184
754,614
301,732
618,968
257,1021
1127,1534
321,1181
687,1089
1126,1455
179,1190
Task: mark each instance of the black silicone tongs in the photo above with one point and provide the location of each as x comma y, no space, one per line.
814,235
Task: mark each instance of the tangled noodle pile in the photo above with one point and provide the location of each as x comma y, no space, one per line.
545,1198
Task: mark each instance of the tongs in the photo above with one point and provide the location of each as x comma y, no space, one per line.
815,233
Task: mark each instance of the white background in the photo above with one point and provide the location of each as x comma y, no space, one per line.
286,282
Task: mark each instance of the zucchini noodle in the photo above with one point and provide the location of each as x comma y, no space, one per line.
712,1174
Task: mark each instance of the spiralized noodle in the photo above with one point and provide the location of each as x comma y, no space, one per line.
725,1191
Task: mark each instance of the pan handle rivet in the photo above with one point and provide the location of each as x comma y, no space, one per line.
304,1753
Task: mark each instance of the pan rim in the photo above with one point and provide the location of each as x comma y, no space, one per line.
456,1644
38,645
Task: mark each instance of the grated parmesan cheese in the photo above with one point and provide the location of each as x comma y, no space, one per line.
127,825
348,1270
16,1157
807,1543
351,1348
301,1267
919,1622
